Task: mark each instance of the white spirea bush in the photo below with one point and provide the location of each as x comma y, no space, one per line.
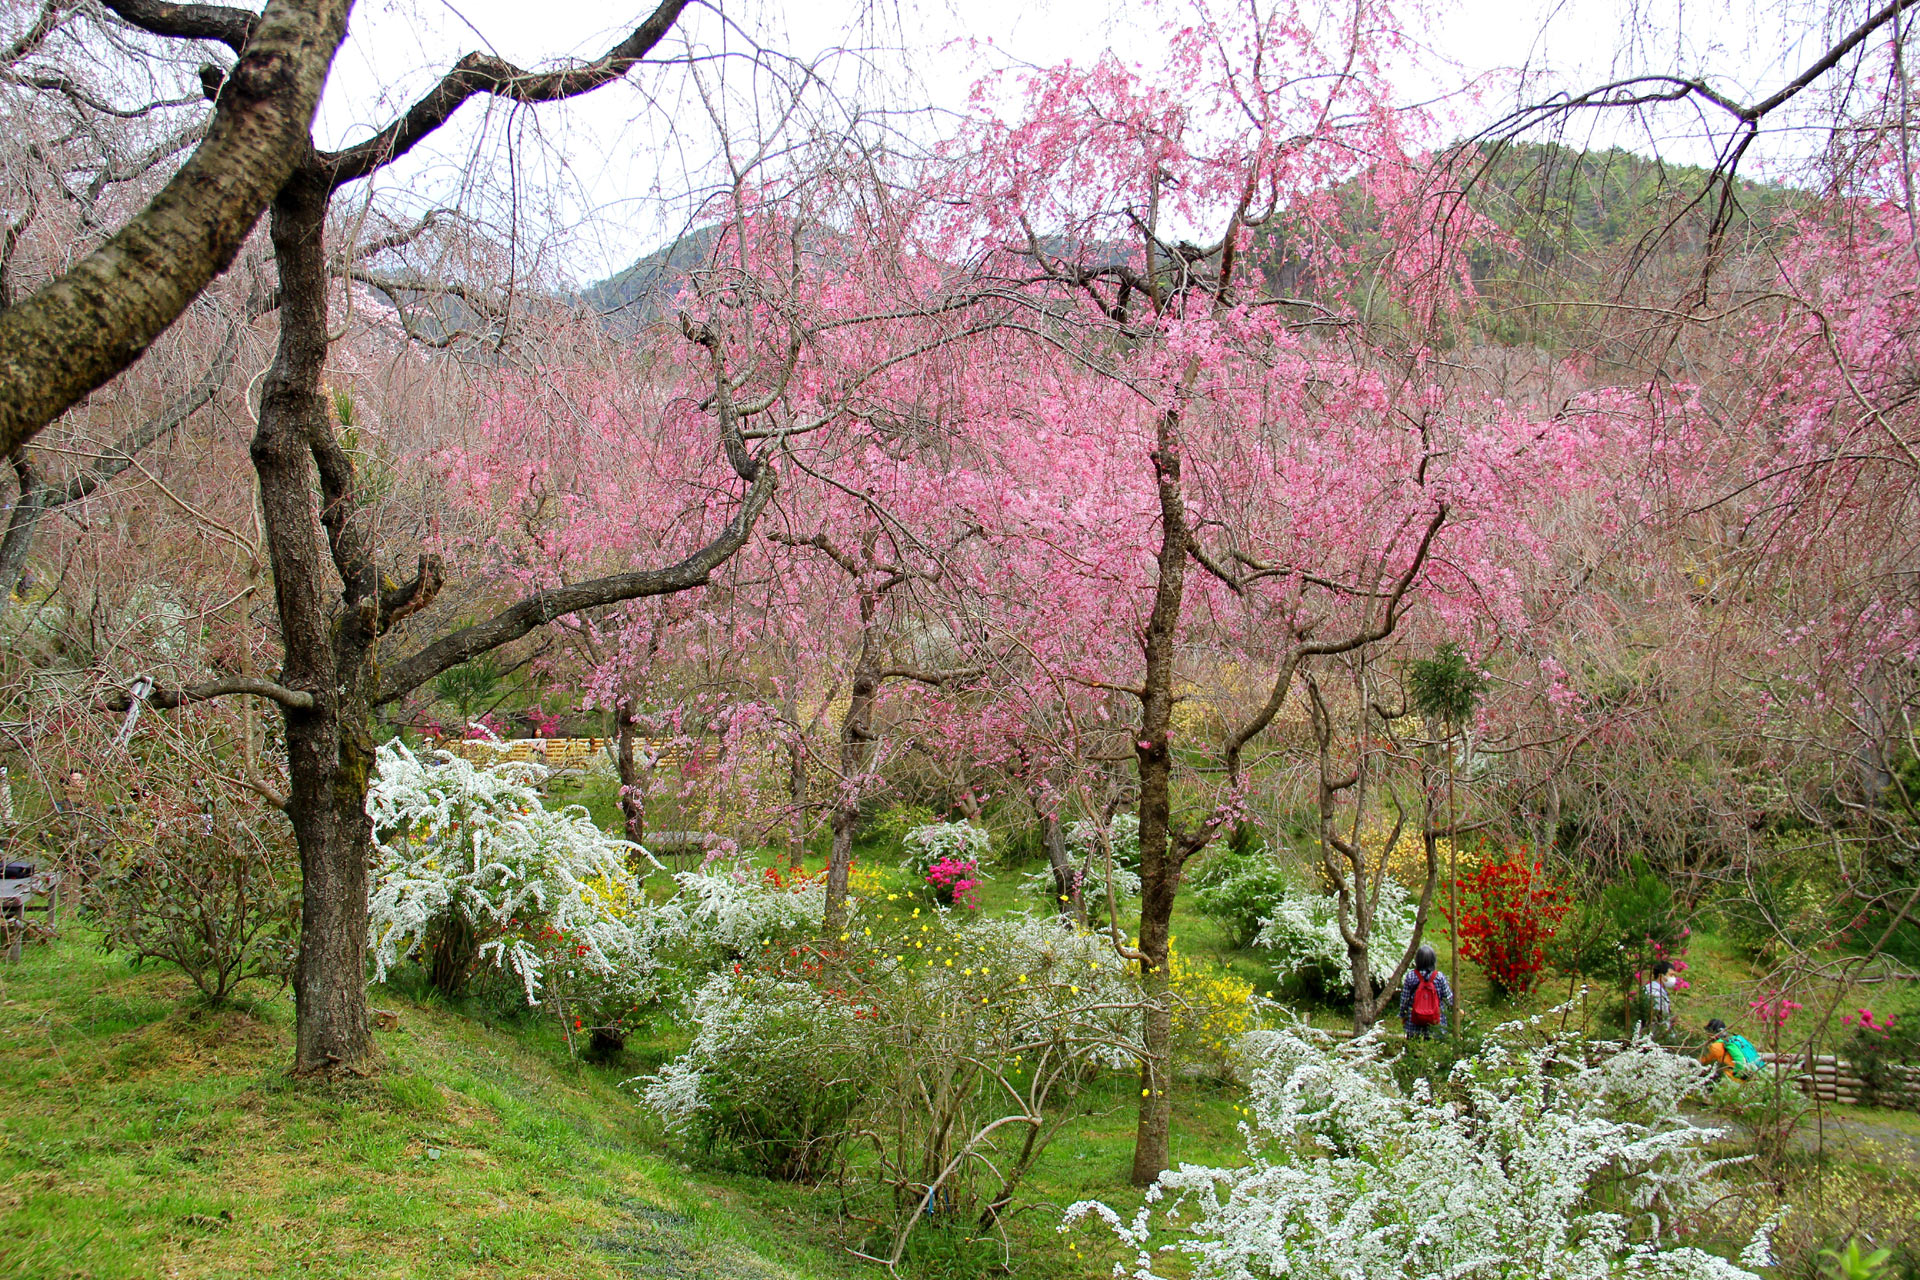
1089,862
961,841
1083,841
1303,933
1092,883
1539,1167
733,910
540,886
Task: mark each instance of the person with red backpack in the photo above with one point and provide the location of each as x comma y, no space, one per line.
1425,996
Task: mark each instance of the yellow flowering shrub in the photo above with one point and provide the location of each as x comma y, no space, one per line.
1212,1007
1407,858
609,895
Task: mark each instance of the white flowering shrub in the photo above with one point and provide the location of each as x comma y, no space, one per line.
1238,892
472,866
942,842
774,1073
1092,882
1089,862
950,1044
1539,1167
1083,841
730,910
1303,933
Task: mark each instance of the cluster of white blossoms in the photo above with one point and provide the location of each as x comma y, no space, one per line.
1089,862
733,910
1539,1166
1083,840
539,886
745,1028
958,841
1303,933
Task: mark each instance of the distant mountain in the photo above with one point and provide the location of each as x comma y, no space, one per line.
1576,224
643,293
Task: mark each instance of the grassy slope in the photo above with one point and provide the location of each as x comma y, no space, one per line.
143,1136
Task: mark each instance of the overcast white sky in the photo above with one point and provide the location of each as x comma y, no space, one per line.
606,168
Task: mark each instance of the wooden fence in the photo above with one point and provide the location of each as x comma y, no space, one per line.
1822,1076
564,754
1827,1078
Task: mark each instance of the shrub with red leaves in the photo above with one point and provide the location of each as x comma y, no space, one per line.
1508,910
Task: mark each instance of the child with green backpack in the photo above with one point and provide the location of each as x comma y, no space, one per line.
1730,1055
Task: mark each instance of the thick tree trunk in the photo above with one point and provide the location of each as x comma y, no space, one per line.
328,649
856,744
1159,859
856,738
1366,1008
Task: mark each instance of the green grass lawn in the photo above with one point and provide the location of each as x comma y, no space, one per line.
142,1135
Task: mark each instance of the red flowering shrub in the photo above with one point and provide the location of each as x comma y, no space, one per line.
1508,911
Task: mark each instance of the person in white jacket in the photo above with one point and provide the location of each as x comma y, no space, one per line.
1659,994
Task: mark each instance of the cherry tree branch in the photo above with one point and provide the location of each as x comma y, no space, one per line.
163,699
229,26
534,611
483,73
82,328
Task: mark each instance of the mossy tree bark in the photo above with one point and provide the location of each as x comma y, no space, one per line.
79,330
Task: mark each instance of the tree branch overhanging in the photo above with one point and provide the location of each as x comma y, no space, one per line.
484,73
542,607
82,328
165,699
222,23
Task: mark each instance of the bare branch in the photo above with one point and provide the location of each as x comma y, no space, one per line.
298,699
934,678
542,607
228,26
484,73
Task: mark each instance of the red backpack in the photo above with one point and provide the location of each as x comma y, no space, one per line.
1426,1002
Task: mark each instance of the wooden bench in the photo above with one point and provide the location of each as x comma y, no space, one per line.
21,894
